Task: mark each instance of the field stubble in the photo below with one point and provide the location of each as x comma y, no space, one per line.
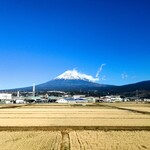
15,122
47,115
75,140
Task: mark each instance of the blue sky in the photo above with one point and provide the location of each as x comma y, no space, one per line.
40,39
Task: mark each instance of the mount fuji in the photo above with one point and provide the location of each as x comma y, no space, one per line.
71,80
75,75
68,81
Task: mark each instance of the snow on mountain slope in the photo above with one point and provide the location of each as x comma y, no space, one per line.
75,75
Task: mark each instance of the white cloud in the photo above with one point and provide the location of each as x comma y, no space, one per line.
99,70
124,76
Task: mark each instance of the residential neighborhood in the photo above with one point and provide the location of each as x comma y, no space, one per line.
62,97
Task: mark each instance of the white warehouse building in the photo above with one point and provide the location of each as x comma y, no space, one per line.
5,96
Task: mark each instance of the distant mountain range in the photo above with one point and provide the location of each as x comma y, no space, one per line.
72,80
141,89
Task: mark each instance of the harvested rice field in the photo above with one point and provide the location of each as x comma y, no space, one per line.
75,140
30,140
112,140
47,115
133,106
74,127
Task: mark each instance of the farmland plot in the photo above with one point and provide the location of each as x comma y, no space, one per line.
70,116
111,140
133,106
75,140
60,127
145,109
37,140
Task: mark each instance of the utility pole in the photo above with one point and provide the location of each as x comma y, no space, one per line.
137,95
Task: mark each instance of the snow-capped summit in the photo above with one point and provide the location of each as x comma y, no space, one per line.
75,75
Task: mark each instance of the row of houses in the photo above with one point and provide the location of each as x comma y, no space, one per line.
111,99
9,99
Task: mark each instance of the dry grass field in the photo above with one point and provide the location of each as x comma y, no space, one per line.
29,140
75,140
47,115
111,140
134,106
103,126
